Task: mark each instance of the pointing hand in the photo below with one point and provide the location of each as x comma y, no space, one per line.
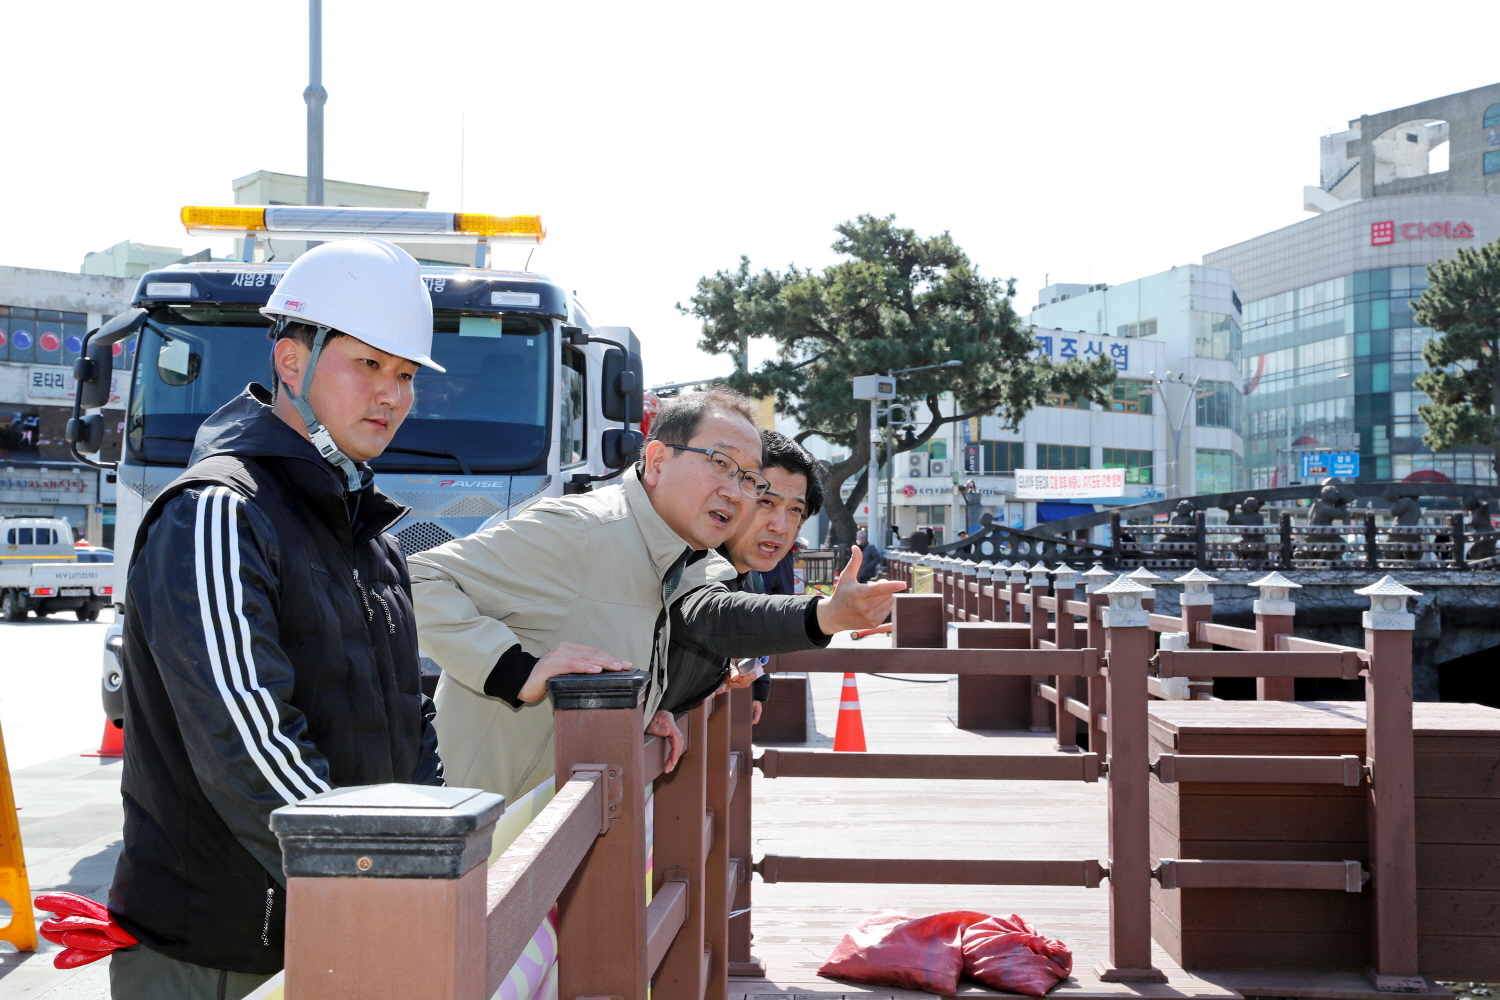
856,605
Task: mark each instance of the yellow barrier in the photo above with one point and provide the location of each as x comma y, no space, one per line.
15,887
921,579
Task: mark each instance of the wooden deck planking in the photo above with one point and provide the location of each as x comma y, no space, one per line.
796,925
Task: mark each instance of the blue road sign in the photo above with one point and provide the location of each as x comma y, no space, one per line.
1322,464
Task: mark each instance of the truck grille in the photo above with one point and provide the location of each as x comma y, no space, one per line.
419,536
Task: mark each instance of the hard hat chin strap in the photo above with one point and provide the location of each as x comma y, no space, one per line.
321,439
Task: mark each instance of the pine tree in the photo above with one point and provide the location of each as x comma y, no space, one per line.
1462,303
898,301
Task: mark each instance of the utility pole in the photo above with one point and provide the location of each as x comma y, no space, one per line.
316,97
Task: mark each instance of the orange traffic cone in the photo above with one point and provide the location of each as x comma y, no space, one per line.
850,734
112,744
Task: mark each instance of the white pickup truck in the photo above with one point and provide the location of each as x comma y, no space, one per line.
41,570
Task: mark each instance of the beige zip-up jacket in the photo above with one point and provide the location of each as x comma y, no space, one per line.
587,569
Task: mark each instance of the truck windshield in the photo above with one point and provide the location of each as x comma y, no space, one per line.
487,414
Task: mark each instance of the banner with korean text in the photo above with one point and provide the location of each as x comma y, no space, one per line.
1069,484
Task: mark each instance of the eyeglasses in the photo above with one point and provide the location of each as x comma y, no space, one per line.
751,484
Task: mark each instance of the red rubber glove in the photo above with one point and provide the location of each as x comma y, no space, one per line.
83,927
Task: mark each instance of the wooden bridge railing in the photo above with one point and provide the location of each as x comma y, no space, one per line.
390,895
965,594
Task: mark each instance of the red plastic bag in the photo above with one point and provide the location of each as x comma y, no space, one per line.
1006,953
903,950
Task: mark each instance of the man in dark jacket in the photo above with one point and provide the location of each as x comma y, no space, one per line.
724,616
270,651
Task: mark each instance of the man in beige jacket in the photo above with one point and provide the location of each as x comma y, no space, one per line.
596,570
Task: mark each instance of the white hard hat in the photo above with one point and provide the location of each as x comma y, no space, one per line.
367,288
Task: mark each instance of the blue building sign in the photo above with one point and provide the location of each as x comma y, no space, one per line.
1322,464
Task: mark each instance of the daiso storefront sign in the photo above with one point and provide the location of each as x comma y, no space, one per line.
1386,233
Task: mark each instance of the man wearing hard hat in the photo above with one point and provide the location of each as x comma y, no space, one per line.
270,651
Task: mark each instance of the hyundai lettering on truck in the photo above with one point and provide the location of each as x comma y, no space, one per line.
536,401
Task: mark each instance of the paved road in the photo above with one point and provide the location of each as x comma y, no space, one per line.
69,804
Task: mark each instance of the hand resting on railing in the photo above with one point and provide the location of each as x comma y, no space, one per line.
567,658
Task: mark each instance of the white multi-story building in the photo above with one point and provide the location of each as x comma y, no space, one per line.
1193,313
1131,434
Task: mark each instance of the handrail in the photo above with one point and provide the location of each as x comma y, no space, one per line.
664,918
907,660
1228,635
1343,665
981,767
525,881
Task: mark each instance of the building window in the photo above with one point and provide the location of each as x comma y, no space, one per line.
1002,456
1220,406
1216,470
1216,336
1492,115
1137,464
1128,396
1145,328
1062,456
1492,162
929,516
1070,402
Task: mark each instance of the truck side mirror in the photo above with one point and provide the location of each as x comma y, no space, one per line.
623,399
94,372
621,447
86,433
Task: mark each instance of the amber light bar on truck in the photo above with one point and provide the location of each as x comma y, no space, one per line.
414,225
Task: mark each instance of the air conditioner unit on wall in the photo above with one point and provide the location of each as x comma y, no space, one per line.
916,465
937,468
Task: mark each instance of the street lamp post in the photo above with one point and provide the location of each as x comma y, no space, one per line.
316,97
876,388
1174,461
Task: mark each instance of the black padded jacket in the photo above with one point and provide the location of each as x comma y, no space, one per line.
713,623
270,653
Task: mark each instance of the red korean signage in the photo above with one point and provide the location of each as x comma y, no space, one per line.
1386,233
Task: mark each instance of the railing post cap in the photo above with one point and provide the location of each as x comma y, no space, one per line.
1095,578
1125,609
1038,573
1388,586
1277,580
1144,575
607,689
1002,567
970,567
1275,596
1018,572
1195,588
985,570
1388,612
1125,585
1064,575
387,831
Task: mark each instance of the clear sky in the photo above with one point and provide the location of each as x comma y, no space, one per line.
660,141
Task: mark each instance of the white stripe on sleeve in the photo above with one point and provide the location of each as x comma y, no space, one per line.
228,654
